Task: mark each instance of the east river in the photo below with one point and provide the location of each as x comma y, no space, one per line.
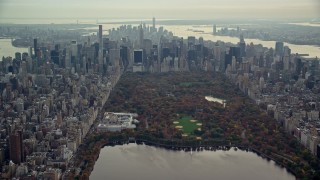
144,162
6,49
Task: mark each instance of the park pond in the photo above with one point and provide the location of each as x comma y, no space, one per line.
213,99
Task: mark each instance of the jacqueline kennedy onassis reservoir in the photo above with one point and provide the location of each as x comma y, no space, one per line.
133,161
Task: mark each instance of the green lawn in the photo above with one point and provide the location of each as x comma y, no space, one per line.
188,126
185,84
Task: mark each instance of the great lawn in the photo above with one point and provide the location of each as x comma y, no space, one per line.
187,124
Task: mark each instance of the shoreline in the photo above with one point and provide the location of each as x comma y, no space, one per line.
196,31
188,148
266,40
114,139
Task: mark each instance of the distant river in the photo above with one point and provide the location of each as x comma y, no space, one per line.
183,31
146,162
306,24
6,49
205,31
178,30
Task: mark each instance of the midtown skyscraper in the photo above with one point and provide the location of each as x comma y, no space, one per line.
214,29
141,36
242,45
16,147
279,48
154,23
100,46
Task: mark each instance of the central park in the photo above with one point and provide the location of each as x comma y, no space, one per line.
173,112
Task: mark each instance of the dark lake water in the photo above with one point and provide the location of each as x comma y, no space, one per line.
144,162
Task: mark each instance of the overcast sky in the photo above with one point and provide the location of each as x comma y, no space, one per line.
169,9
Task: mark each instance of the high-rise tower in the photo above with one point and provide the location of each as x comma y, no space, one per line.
154,23
100,35
141,37
16,147
279,48
35,47
214,30
242,45
100,55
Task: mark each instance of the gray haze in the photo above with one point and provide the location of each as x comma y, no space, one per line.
170,9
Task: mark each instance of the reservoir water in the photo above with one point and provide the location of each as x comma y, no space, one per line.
144,162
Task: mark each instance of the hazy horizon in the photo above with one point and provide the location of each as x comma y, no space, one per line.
164,9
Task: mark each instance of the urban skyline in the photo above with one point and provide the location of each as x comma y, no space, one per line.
203,9
196,77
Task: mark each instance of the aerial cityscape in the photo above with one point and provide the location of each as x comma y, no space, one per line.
175,97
